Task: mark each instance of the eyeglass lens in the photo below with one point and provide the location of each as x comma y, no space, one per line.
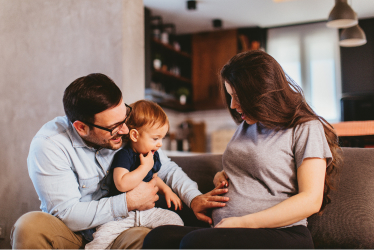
119,127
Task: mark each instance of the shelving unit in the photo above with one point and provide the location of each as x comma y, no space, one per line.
169,48
197,68
168,66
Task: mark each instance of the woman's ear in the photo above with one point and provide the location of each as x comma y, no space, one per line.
82,128
134,134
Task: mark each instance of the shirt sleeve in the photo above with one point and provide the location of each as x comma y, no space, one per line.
177,179
310,142
56,184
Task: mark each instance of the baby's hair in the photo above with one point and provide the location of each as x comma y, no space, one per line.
146,113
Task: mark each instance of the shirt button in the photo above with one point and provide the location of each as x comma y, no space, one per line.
83,186
107,171
123,217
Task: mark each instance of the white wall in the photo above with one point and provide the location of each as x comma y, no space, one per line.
44,46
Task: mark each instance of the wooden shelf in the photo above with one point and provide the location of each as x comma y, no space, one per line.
170,48
175,105
173,61
170,76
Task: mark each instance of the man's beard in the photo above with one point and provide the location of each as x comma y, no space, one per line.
95,142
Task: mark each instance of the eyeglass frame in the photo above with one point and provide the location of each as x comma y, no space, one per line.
111,130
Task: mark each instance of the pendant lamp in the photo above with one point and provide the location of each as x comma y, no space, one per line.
352,37
342,15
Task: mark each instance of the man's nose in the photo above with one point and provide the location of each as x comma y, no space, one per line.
124,130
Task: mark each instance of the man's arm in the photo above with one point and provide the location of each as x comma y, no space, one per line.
50,169
188,191
177,179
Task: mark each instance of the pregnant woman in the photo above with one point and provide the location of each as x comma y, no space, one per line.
278,167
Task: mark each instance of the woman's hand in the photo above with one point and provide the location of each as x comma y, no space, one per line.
171,197
219,178
231,222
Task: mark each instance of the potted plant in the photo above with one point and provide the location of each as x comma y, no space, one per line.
182,94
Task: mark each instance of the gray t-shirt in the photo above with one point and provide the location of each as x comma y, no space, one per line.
261,164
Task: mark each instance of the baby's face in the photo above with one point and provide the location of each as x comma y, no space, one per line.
150,138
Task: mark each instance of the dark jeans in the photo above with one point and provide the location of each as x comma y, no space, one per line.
175,237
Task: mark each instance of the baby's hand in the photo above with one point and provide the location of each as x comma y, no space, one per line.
221,177
147,160
170,196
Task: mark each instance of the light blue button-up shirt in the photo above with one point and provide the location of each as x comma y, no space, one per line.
71,178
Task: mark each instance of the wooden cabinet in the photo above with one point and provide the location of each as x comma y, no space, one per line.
210,51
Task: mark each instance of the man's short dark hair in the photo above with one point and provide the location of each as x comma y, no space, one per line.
90,95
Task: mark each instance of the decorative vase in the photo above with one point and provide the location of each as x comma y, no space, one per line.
183,99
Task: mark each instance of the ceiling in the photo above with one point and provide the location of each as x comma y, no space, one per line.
248,13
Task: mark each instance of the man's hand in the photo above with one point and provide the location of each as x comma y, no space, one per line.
221,177
143,196
200,204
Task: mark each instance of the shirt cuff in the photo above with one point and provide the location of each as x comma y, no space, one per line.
190,196
119,206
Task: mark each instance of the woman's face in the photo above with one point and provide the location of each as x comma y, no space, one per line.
235,104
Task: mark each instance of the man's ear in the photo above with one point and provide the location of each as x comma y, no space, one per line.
134,134
82,128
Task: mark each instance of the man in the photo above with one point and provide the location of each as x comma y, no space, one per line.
69,163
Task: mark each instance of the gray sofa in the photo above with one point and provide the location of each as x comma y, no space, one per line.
348,222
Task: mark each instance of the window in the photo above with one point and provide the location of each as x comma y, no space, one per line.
310,55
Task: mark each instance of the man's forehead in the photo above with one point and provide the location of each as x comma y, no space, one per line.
112,115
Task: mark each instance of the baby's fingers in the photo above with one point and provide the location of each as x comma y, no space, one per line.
168,203
178,204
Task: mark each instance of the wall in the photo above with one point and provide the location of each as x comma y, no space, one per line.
357,63
44,46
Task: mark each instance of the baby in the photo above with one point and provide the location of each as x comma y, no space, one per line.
139,161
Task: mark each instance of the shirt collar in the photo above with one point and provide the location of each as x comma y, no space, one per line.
76,139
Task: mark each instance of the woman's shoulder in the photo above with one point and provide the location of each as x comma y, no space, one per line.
312,128
315,123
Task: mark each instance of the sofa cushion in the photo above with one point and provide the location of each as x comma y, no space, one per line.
200,168
348,221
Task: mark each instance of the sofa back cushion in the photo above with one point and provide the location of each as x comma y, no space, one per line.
201,168
348,221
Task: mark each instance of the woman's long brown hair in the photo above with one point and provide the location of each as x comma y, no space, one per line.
266,94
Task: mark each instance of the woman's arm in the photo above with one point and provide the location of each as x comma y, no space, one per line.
311,179
126,181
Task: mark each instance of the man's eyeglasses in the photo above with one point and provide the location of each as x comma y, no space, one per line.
118,127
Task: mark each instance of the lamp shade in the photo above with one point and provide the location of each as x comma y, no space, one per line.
342,15
352,37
